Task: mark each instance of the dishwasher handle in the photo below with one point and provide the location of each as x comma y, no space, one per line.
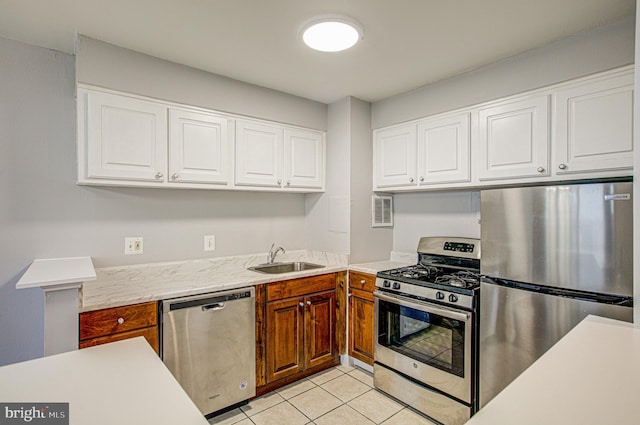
214,307
212,301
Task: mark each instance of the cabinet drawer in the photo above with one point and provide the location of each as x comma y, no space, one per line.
119,319
300,287
362,281
150,334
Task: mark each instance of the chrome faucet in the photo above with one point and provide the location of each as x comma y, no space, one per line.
271,255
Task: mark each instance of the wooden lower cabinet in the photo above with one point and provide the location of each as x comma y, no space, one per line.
118,323
361,316
297,325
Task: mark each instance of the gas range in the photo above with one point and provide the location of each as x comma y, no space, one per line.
447,272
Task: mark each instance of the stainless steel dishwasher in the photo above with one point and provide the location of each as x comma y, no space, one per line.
208,343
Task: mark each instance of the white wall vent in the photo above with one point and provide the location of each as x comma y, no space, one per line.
381,211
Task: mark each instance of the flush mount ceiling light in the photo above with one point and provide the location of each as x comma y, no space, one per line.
331,33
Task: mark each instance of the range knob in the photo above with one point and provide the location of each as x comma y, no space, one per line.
453,298
386,284
439,296
396,285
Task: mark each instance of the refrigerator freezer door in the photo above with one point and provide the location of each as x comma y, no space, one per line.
571,236
518,326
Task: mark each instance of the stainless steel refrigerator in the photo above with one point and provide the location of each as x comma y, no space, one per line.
551,255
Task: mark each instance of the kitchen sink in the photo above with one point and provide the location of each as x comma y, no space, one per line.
277,268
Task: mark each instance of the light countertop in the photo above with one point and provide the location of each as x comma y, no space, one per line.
122,383
591,376
125,285
377,266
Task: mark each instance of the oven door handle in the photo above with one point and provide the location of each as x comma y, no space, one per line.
429,308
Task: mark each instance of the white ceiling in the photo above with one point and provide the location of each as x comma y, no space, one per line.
407,43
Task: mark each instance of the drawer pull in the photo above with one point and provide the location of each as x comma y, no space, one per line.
120,320
362,282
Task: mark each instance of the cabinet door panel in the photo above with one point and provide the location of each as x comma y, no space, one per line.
320,319
514,139
285,329
258,154
126,138
303,159
395,157
443,150
198,147
594,129
361,334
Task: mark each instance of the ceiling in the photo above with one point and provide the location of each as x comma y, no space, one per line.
407,43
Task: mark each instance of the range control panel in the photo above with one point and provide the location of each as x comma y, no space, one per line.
458,247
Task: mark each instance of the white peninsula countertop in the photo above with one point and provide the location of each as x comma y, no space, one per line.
121,383
590,377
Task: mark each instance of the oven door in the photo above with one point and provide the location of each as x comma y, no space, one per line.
425,341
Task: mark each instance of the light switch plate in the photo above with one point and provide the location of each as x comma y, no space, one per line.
209,242
133,246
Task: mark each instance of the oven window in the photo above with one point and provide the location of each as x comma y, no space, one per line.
426,337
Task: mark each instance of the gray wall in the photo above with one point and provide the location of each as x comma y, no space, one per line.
44,214
367,243
109,66
583,54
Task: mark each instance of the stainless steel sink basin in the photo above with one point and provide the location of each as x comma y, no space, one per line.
277,268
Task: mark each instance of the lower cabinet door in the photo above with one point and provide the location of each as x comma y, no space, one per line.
361,338
320,325
285,338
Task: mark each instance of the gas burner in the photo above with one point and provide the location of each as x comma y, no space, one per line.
461,279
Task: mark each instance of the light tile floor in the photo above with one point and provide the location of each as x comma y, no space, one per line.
338,396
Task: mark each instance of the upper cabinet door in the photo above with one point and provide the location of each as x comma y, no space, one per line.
258,154
594,129
394,157
303,159
198,147
513,139
126,138
443,150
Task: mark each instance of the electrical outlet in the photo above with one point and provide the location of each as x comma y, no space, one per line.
133,246
209,242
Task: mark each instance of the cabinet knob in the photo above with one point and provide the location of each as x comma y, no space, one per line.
159,175
174,176
421,178
120,320
301,304
288,182
362,282
308,302
410,179
541,169
279,181
562,166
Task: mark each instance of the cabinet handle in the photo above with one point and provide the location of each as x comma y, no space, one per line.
120,320
301,304
562,166
410,179
279,181
308,302
159,175
362,282
288,182
175,176
540,169
421,178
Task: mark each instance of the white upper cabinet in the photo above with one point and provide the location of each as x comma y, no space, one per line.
394,157
443,150
594,128
198,147
304,154
513,139
125,137
259,151
129,140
